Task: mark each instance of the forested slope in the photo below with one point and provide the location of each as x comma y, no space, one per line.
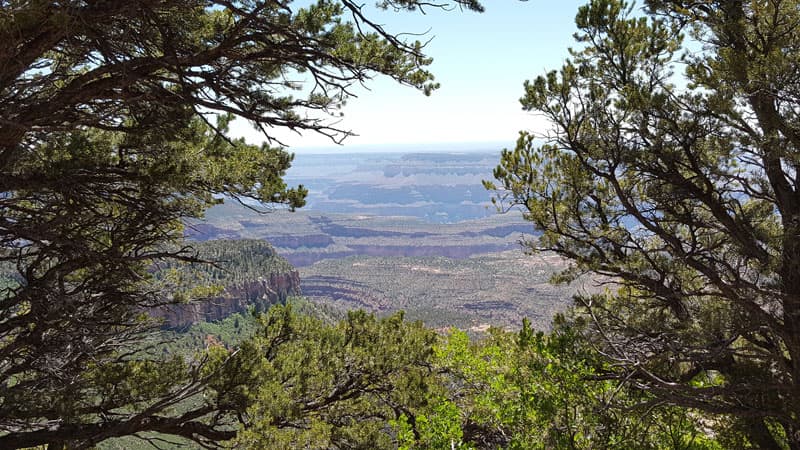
239,275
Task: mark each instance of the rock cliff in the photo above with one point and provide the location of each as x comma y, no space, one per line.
250,272
259,293
309,257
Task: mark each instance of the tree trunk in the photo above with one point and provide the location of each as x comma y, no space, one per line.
759,435
790,278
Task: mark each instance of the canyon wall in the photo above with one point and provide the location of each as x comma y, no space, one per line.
259,293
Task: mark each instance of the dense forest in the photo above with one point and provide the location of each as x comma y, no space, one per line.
670,169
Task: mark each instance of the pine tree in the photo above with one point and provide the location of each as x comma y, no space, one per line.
107,142
671,169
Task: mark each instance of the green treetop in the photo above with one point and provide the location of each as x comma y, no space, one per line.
108,141
671,168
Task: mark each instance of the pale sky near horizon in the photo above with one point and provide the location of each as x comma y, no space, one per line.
481,61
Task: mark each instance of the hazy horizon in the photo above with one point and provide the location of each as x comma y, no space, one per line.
423,147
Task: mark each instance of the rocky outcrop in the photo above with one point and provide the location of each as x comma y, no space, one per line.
301,241
447,251
303,259
259,293
205,232
501,231
307,258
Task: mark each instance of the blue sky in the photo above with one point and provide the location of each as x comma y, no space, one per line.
481,61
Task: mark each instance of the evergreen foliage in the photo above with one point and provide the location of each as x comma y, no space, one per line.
218,265
684,188
107,142
236,261
531,390
363,382
333,386
683,191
